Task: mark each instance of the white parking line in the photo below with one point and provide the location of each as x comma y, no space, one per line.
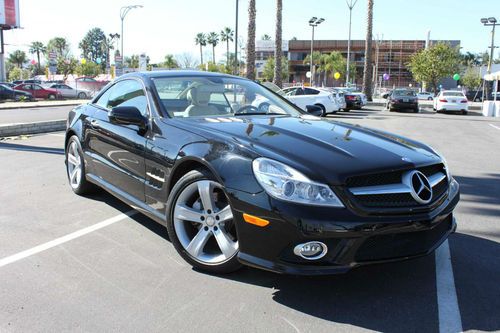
448,311
61,240
56,134
498,128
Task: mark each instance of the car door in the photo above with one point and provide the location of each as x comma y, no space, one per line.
118,150
28,88
37,91
4,93
301,99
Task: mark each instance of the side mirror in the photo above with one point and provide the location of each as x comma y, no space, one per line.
314,110
127,115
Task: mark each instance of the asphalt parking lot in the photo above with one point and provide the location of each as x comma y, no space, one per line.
70,263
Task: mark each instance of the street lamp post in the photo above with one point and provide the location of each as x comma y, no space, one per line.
350,4
236,64
123,12
313,22
490,21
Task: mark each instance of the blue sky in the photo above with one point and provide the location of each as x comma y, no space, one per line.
169,26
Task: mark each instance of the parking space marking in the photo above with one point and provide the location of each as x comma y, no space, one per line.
55,134
448,311
64,239
498,128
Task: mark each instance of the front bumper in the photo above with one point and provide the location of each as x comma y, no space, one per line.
404,105
353,240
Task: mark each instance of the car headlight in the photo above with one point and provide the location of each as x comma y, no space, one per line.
285,183
445,163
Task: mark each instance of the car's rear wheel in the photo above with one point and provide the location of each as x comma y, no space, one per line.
82,95
323,109
430,99
75,167
51,96
464,112
200,223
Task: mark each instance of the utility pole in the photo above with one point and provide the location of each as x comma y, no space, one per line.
350,4
236,63
490,21
313,22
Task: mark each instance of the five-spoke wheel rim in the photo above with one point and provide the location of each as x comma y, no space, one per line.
74,165
203,223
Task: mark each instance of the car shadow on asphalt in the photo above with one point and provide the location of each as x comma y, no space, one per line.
483,190
33,149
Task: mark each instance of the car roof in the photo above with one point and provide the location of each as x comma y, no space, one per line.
177,73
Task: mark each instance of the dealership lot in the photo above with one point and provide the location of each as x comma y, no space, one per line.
120,273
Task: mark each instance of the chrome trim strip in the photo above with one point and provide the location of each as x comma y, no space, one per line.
155,177
394,188
436,178
380,189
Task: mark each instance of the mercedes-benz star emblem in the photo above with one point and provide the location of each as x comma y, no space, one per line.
420,188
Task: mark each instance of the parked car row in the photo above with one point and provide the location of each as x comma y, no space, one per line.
30,91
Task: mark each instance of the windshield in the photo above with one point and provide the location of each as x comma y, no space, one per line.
453,93
218,96
403,93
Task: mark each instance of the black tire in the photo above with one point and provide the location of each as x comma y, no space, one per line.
193,176
464,112
51,96
415,110
82,95
84,186
323,114
430,99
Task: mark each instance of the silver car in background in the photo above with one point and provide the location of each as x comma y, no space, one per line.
70,92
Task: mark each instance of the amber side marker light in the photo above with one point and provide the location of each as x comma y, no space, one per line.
255,220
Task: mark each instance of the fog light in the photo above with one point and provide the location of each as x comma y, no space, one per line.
311,250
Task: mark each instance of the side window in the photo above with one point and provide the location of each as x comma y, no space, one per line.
308,91
299,92
128,93
103,100
290,92
35,87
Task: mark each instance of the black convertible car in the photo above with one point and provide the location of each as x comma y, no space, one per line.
278,188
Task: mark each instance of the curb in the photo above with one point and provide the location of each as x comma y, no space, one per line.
26,105
32,128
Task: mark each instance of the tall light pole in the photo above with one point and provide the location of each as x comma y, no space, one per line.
313,22
236,64
350,4
493,22
123,12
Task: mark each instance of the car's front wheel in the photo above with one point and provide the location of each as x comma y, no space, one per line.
82,95
200,223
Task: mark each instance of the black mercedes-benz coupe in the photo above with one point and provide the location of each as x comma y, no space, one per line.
274,188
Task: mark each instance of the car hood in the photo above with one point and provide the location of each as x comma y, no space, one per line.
323,150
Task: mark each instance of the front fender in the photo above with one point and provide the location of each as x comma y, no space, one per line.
229,163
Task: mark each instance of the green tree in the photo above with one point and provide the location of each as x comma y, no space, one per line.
93,46
226,35
88,69
317,58
201,40
132,61
265,37
432,64
17,73
18,58
251,40
37,48
268,72
278,68
368,68
66,66
170,62
471,78
59,45
213,39
470,59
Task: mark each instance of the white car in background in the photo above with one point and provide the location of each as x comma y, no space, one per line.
424,95
70,92
451,100
352,91
302,96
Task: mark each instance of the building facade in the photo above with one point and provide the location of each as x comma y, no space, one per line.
392,57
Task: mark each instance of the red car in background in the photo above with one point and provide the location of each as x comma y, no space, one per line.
38,91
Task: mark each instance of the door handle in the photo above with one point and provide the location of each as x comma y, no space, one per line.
94,123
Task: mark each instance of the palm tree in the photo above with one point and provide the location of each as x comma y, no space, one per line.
201,39
316,56
18,57
251,40
170,62
37,48
265,37
213,39
277,49
226,35
61,45
367,73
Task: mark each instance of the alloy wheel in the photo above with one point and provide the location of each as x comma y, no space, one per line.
203,223
74,165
